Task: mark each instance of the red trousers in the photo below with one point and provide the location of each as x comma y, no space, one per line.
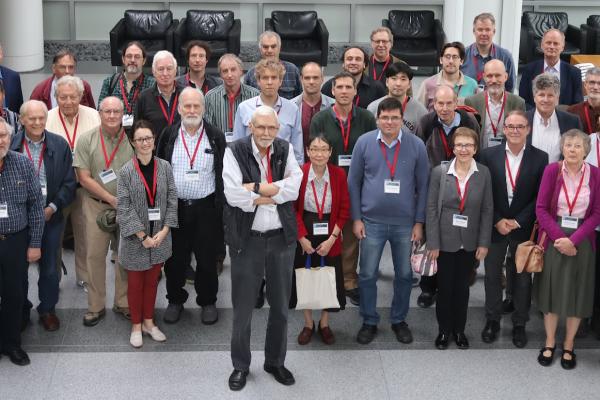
141,293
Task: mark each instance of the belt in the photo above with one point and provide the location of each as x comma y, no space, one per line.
267,234
99,201
210,199
5,236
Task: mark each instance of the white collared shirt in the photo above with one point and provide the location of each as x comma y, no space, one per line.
204,163
462,182
552,69
492,117
53,93
514,162
309,196
266,217
391,145
546,137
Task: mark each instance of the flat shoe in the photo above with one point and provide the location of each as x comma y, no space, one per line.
136,339
568,364
546,361
155,334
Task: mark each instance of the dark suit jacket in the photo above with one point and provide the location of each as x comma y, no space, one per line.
566,121
571,91
522,207
12,86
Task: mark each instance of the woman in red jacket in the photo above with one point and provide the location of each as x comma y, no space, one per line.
322,209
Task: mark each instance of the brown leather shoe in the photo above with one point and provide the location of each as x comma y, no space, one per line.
305,335
326,335
50,322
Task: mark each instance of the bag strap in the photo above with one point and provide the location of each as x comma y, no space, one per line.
444,171
113,83
307,262
534,231
542,238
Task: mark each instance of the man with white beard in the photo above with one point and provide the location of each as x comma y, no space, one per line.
494,103
195,149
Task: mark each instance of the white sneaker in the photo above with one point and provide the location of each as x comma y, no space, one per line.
136,339
155,334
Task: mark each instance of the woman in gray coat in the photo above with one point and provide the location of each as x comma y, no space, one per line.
146,211
459,229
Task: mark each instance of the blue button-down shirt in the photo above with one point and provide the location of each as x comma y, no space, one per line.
474,62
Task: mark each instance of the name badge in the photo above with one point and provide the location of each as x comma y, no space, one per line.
191,175
3,210
154,214
344,160
445,163
321,228
390,186
127,120
569,222
462,221
44,189
494,141
229,137
73,153
108,176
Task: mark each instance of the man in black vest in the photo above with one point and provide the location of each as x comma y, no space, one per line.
261,180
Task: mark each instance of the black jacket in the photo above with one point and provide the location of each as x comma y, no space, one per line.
522,207
216,138
148,108
58,164
367,91
566,121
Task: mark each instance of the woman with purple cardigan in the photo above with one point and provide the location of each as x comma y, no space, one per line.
568,211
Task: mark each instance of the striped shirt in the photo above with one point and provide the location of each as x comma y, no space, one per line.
20,191
203,163
217,106
147,81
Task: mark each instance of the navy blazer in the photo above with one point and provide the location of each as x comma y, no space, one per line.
522,207
566,121
58,164
12,87
571,91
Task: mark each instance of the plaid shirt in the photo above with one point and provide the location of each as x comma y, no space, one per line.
217,106
291,86
147,81
11,117
20,190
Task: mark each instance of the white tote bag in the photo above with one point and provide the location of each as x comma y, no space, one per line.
315,287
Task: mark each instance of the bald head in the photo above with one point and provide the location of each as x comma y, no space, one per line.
111,115
444,103
495,76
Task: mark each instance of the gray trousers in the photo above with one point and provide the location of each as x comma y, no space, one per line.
520,284
272,258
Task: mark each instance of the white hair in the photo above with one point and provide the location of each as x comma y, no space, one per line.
25,107
264,111
161,54
269,34
7,126
69,80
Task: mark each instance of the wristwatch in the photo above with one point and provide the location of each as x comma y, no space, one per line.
256,187
143,237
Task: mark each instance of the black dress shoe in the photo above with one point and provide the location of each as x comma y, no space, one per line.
18,357
237,379
546,361
354,296
568,364
441,341
366,334
281,374
425,300
507,306
490,331
461,341
519,336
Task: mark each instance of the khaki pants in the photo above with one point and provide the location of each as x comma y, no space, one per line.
76,221
349,257
96,259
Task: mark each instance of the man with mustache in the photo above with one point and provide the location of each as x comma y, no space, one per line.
195,150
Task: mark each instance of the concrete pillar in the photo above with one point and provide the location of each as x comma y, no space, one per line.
22,34
453,20
511,27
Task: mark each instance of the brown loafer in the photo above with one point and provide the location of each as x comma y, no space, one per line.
305,335
326,335
91,318
50,322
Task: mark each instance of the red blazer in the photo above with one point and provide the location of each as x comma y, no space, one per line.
340,203
42,93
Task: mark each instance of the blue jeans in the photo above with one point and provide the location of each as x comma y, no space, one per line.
371,249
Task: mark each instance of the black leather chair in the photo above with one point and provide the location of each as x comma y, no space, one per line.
304,36
533,26
218,28
154,29
418,36
590,35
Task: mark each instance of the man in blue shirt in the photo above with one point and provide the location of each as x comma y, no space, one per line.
484,50
388,179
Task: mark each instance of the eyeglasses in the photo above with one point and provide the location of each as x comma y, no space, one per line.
321,150
452,57
515,127
109,112
262,128
592,83
133,56
390,119
464,146
148,139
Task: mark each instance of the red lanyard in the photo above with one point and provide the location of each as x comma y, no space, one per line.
476,62
387,61
173,107
129,107
69,140
40,160
512,183
151,194
268,167
404,103
192,84
487,107
445,143
192,158
231,102
345,131
320,210
391,167
569,204
588,120
461,196
108,161
357,100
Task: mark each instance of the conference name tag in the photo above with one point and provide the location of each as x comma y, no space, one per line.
44,189
191,175
321,228
390,186
3,210
569,222
229,137
154,214
127,120
108,176
462,221
494,141
344,160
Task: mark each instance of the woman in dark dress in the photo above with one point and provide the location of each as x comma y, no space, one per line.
323,200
